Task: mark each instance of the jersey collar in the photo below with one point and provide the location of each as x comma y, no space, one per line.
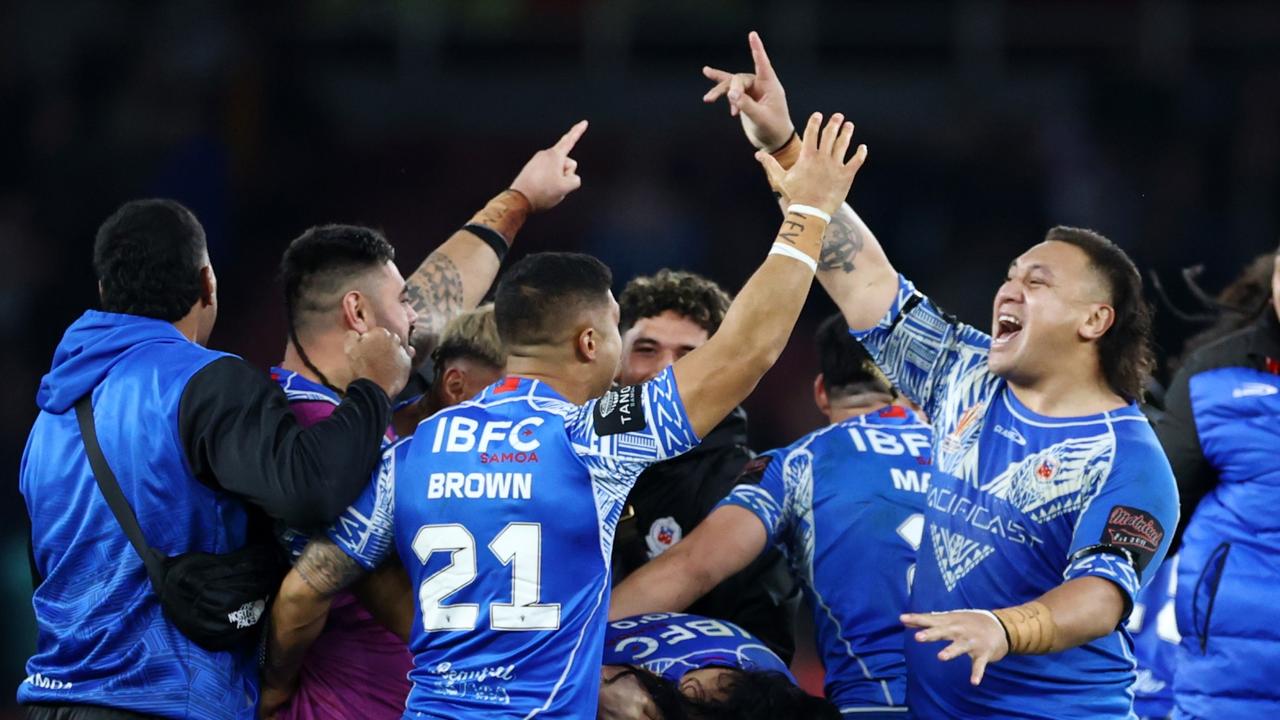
296,387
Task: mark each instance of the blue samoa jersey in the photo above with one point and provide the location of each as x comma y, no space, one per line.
1020,503
845,505
672,644
503,510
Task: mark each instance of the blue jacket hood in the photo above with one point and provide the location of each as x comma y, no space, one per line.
90,348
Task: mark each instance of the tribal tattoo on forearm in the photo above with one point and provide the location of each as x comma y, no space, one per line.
435,289
325,568
841,244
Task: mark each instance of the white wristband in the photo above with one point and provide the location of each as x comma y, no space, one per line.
780,248
809,210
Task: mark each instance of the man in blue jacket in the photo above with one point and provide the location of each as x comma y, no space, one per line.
194,438
1221,431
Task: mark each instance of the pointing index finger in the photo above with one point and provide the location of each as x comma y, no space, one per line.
568,140
763,67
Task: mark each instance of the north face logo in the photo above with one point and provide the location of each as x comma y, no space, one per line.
248,614
956,554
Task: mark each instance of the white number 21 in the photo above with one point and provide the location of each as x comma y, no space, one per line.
519,545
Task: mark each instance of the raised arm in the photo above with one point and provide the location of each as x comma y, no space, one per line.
853,268
721,545
717,376
457,275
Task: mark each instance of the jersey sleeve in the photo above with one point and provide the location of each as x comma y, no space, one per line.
1125,531
628,429
762,489
366,530
923,351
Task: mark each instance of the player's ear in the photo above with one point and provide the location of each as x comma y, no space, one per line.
454,382
1097,322
820,395
208,286
356,313
587,346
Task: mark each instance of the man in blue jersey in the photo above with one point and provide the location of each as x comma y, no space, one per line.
673,665
844,504
503,508
1052,502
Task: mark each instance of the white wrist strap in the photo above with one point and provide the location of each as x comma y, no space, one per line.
780,248
989,614
809,210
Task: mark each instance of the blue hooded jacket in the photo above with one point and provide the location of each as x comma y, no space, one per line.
103,639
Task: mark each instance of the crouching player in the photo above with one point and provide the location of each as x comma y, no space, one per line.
667,666
844,504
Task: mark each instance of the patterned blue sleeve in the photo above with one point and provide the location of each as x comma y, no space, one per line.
628,429
366,530
762,490
925,352
1122,535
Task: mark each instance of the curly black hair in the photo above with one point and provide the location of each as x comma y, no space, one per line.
689,294
147,257
748,695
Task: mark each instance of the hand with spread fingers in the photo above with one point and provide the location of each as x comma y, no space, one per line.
821,176
976,633
550,175
757,99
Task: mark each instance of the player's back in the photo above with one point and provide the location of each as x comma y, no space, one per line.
850,525
505,511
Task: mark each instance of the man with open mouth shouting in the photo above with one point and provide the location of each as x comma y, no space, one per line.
1053,502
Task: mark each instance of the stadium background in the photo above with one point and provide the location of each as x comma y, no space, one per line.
1157,123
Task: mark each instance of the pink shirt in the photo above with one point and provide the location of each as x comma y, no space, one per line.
356,668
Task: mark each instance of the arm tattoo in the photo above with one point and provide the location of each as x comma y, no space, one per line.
325,568
840,246
791,229
435,289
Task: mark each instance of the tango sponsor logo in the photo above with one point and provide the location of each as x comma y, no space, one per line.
496,485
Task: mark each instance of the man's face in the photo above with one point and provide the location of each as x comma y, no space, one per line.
654,343
389,299
1041,310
